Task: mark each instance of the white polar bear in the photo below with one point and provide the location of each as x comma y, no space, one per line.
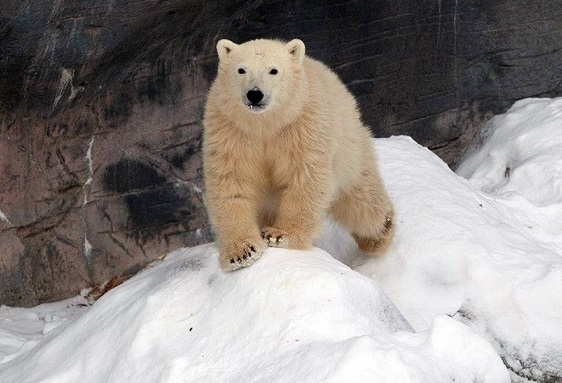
284,146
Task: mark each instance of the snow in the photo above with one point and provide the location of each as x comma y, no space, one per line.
292,317
471,290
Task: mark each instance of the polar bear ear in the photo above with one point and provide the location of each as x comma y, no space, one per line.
296,48
224,47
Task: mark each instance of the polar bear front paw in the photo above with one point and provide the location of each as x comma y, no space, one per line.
241,254
274,237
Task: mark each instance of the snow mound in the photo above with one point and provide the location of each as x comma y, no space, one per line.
291,317
520,153
488,250
519,161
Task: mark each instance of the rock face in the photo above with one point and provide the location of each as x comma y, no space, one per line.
101,104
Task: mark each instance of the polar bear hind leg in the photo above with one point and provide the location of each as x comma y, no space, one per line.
366,211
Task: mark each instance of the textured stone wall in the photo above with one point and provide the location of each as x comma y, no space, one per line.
101,104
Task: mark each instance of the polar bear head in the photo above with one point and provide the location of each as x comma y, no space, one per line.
262,75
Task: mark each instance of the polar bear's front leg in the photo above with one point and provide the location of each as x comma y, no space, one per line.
298,223
232,200
275,237
237,232
302,207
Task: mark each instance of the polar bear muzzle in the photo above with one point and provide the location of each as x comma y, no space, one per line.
256,100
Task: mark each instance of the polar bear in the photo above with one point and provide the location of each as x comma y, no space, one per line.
284,147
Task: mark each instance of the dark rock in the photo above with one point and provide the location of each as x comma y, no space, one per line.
101,104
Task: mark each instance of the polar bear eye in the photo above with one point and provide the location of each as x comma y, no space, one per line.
273,71
241,70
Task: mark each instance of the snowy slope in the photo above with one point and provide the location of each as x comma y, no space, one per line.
477,257
292,317
474,279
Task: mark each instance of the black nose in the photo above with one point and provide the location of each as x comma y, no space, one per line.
254,96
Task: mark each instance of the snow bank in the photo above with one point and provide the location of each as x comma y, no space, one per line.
476,256
291,317
473,279
487,251
520,154
519,163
